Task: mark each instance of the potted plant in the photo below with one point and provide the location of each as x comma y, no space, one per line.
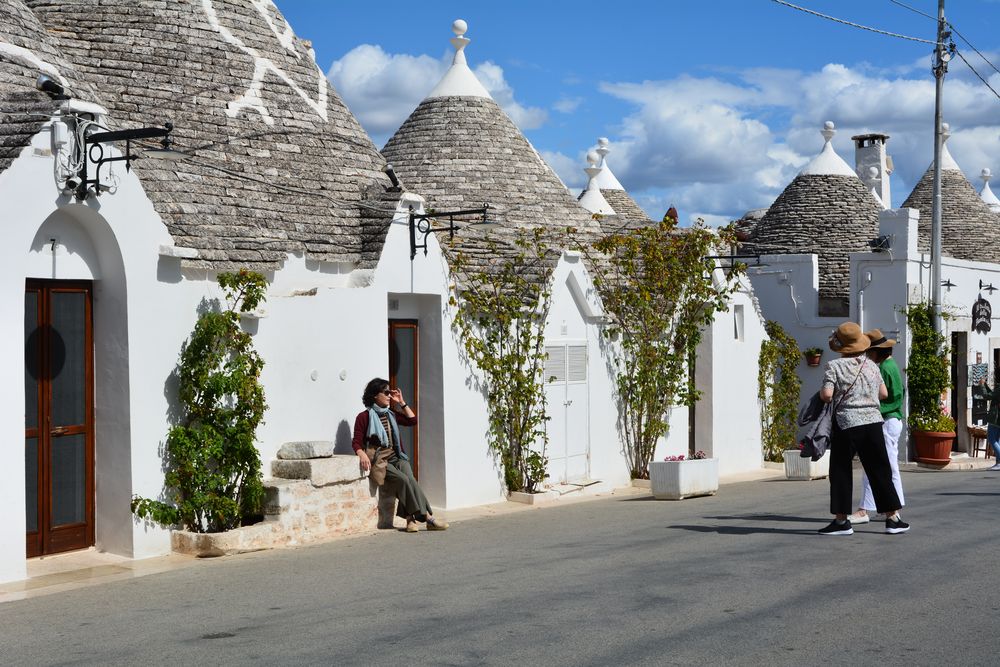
676,477
803,467
927,379
813,355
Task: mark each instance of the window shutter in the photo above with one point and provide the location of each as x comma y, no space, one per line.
555,365
577,363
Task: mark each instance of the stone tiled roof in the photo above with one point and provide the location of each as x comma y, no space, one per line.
969,229
462,152
629,213
26,51
827,214
280,164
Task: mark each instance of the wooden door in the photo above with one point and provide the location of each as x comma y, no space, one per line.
59,424
404,370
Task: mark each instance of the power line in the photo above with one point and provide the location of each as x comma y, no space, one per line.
960,36
913,9
980,76
854,25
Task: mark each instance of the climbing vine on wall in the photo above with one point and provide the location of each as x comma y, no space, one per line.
213,478
778,388
662,293
500,315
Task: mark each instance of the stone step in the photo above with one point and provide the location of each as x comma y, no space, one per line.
306,449
339,469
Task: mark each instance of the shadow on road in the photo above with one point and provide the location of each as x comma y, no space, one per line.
746,530
968,493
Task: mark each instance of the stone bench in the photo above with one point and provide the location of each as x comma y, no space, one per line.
313,496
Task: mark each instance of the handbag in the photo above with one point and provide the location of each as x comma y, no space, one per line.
379,457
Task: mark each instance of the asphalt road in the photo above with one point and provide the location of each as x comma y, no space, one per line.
739,578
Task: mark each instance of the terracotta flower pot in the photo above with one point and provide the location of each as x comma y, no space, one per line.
813,359
934,447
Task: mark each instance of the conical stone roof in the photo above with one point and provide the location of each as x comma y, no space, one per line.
825,210
969,229
460,151
279,164
27,51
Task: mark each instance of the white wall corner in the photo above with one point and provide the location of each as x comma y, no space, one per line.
901,225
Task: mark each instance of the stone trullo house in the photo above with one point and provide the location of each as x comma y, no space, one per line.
109,266
824,275
725,422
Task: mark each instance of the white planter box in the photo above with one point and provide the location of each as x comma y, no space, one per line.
532,498
799,467
676,480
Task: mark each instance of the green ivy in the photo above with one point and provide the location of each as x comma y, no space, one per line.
213,478
656,284
927,371
500,317
778,389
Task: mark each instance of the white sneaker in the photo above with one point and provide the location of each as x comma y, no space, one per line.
858,518
994,467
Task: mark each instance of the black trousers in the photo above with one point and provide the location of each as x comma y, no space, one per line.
868,443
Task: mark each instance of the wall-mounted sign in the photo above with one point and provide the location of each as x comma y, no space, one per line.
982,311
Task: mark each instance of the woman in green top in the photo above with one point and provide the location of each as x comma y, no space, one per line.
892,412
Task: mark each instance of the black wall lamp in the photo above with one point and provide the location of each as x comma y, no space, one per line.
947,284
987,286
93,146
420,223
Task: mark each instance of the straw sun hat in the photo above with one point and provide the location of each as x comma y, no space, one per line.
848,339
878,339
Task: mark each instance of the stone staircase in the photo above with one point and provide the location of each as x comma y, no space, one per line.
312,496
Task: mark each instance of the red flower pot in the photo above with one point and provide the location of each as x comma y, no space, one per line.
933,447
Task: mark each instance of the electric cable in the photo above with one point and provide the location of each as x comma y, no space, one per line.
854,25
978,53
912,9
978,75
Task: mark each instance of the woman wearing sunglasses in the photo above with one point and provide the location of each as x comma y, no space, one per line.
376,442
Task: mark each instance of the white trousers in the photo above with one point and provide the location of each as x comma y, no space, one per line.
891,429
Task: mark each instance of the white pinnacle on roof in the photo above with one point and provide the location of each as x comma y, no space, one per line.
605,179
986,194
947,161
827,163
872,175
592,199
459,81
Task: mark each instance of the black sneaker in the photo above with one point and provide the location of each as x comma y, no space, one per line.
896,525
837,528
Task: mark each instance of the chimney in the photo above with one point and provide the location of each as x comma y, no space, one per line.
872,165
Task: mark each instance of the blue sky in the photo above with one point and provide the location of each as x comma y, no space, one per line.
711,106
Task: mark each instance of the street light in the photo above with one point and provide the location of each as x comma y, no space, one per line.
93,146
421,223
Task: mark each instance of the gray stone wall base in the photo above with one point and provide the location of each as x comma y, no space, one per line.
314,500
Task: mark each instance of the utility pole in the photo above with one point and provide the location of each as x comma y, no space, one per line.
941,57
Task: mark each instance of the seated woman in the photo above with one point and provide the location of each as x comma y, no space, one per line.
376,438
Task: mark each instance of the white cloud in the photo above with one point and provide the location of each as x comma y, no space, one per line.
569,170
715,147
382,89
567,104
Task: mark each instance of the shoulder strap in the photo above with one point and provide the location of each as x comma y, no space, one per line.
845,393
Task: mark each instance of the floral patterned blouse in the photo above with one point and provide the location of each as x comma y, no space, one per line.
860,405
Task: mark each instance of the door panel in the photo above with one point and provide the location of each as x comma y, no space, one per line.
567,394
403,374
59,444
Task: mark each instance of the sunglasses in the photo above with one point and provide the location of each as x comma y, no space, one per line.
387,392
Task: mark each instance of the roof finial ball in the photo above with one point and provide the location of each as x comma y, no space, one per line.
986,175
459,41
828,130
593,158
945,131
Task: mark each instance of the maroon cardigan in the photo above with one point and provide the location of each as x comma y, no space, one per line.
361,427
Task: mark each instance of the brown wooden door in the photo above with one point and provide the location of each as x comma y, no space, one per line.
403,374
59,424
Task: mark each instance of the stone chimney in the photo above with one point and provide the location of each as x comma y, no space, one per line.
872,165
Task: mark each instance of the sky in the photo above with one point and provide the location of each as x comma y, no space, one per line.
710,106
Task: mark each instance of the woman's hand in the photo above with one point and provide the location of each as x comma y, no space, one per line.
396,397
366,463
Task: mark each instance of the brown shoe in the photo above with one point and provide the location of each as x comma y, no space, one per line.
437,524
411,527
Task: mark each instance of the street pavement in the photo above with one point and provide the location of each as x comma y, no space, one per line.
741,578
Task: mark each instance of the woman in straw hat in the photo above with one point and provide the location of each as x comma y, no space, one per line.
854,384
891,407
